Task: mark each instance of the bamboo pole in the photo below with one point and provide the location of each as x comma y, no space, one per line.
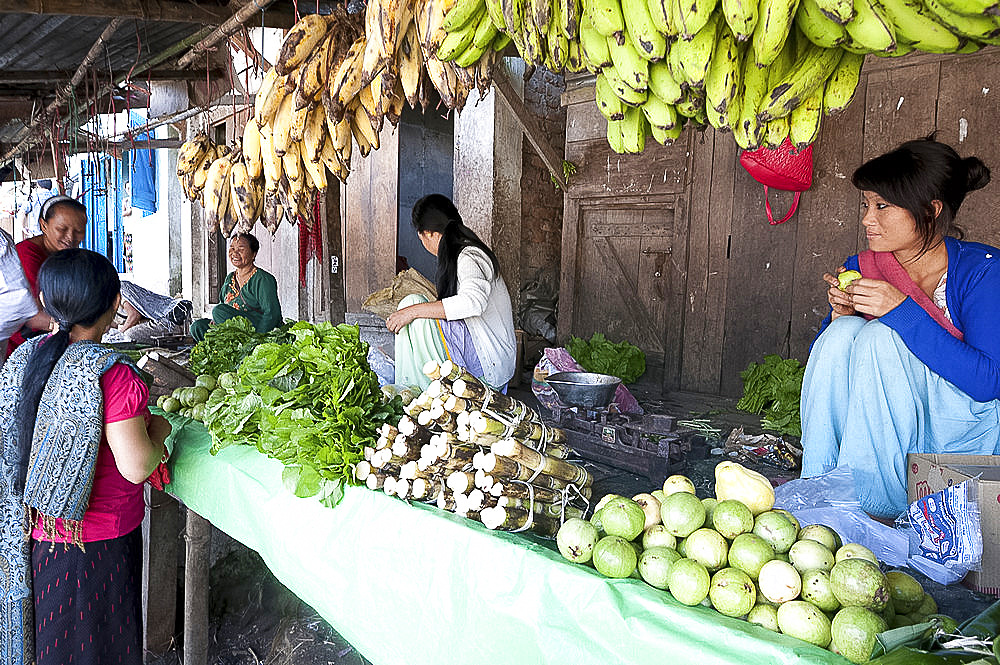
229,27
514,519
551,466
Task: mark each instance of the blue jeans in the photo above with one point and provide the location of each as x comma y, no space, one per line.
867,402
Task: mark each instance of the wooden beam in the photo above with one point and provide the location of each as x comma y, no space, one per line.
530,127
234,23
48,76
139,144
149,10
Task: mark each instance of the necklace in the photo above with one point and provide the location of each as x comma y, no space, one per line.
235,287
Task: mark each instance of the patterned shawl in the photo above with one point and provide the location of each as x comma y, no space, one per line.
67,436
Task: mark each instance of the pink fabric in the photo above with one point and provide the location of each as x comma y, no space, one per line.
116,505
886,267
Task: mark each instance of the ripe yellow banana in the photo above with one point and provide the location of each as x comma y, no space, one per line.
410,64
216,192
192,152
298,125
313,74
270,163
315,173
300,41
251,149
346,83
281,127
263,92
200,173
269,106
245,193
314,135
291,163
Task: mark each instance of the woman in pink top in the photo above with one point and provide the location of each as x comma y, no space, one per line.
77,443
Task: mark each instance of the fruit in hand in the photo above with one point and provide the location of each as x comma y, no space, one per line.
845,278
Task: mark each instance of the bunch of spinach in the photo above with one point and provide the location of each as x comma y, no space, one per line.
599,354
313,404
228,343
772,389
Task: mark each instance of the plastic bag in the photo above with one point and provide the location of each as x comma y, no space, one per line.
383,366
831,499
946,539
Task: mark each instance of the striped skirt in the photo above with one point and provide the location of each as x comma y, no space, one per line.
88,605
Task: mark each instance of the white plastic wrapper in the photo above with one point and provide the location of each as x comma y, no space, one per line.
947,538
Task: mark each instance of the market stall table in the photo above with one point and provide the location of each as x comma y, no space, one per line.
413,584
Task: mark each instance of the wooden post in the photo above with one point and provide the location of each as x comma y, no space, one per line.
159,572
198,543
333,256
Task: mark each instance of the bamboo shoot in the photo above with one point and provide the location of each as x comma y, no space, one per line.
515,519
551,466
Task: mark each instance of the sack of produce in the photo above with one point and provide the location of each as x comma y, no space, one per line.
385,301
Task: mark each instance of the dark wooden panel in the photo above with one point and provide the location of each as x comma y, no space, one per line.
968,111
371,220
714,160
602,172
828,220
758,297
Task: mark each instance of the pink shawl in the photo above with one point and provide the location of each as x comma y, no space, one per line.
885,266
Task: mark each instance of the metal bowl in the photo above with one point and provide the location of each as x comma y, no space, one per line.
584,389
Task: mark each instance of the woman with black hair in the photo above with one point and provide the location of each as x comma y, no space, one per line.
908,359
471,322
248,291
77,443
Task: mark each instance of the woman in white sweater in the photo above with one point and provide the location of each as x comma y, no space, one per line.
471,322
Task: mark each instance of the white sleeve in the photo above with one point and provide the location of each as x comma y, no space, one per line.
475,282
17,304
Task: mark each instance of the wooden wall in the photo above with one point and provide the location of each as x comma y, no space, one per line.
672,250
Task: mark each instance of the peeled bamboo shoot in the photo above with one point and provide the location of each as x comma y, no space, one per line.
551,466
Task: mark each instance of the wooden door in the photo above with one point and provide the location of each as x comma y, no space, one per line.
626,280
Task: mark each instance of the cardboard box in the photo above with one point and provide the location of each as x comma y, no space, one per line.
927,473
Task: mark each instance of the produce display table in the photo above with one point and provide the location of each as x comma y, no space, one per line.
413,584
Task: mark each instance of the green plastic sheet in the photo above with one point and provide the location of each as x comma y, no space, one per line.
416,585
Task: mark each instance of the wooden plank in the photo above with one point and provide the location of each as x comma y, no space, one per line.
160,10
600,172
759,282
334,298
713,170
874,63
828,220
568,266
372,213
584,122
529,125
159,571
967,113
673,318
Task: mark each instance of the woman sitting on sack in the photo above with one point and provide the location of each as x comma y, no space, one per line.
77,443
471,322
248,291
908,360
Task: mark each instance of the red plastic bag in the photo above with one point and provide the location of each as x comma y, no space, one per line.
782,168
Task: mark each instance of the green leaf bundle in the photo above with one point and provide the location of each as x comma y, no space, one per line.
772,389
598,354
228,343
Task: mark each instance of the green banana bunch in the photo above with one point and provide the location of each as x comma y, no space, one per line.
541,14
557,43
692,105
457,42
741,17
461,14
747,127
660,15
982,28
772,29
632,68
608,103
974,7
606,17
666,135
593,46
819,28
722,80
691,16
647,40
920,27
804,120
495,9
843,83
695,55
623,90
810,71
571,12
838,11
870,28
659,113
776,130
616,139
662,83
634,128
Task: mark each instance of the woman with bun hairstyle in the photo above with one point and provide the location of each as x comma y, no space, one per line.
471,322
908,359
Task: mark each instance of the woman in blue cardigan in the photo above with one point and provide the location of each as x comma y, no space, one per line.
908,359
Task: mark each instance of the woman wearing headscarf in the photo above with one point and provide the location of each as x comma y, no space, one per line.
77,443
908,359
471,322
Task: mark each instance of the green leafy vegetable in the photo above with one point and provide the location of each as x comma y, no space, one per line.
313,404
624,360
228,343
772,389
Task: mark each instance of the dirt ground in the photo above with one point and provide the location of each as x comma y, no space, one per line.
257,621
